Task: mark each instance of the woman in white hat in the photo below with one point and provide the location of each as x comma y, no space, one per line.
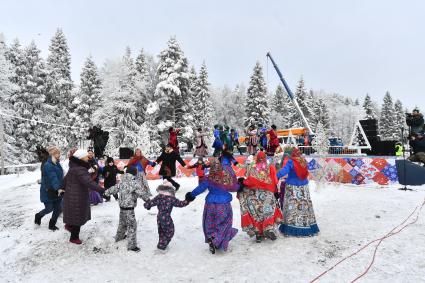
76,210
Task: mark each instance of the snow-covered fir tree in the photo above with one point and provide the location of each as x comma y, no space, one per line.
305,101
87,100
387,121
28,102
121,103
256,107
283,113
369,108
59,87
400,121
227,106
7,88
320,142
143,82
172,90
203,109
320,115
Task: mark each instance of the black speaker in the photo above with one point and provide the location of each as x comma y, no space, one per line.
383,148
126,153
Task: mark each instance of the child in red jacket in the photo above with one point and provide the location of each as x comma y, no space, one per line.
200,167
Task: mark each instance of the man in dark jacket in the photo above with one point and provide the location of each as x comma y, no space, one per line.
415,121
51,188
168,158
417,142
76,205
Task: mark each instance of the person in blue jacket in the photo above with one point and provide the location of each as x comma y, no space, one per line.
298,214
218,215
218,143
51,188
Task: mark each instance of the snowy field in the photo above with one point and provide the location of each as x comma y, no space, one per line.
348,217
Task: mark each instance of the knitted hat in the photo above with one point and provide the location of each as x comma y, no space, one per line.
166,189
80,153
52,150
109,160
261,156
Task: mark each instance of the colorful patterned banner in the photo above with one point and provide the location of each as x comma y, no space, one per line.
351,170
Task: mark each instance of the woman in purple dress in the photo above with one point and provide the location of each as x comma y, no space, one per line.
218,215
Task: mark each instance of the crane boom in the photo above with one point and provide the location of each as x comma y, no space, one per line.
290,93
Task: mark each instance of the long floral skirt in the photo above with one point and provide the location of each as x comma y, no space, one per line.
217,223
259,211
299,219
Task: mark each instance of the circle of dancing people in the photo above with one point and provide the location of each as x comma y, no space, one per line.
273,196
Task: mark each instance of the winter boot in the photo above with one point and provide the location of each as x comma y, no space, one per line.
135,249
212,247
52,225
37,219
271,235
76,241
258,238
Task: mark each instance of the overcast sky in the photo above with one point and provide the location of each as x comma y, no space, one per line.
349,47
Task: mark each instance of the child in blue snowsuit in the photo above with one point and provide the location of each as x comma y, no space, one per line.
165,201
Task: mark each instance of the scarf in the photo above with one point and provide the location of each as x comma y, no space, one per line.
300,164
221,178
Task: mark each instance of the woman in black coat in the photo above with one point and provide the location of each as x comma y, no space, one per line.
109,173
168,160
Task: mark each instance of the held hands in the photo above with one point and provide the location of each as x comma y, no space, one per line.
188,197
91,170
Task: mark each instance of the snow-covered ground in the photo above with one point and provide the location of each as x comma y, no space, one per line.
348,216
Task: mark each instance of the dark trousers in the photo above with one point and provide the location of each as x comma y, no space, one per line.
49,206
75,232
174,183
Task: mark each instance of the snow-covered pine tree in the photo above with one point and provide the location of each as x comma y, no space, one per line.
400,122
172,90
143,82
320,115
369,108
387,121
256,108
28,103
59,86
305,101
203,109
280,108
320,142
123,105
7,88
87,99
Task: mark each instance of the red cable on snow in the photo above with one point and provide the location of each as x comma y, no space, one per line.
389,234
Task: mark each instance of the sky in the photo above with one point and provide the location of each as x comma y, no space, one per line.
348,47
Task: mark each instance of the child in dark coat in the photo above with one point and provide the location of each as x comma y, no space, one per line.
165,201
110,176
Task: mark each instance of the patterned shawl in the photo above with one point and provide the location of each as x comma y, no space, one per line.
221,178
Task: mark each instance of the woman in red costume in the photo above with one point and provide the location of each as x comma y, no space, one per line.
259,210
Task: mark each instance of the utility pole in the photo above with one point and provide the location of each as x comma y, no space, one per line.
1,144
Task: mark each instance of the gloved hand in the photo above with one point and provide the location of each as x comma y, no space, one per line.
91,170
61,192
240,180
277,196
188,197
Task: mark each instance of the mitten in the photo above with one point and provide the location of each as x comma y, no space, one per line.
189,197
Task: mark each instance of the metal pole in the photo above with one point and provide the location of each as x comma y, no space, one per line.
1,144
290,94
